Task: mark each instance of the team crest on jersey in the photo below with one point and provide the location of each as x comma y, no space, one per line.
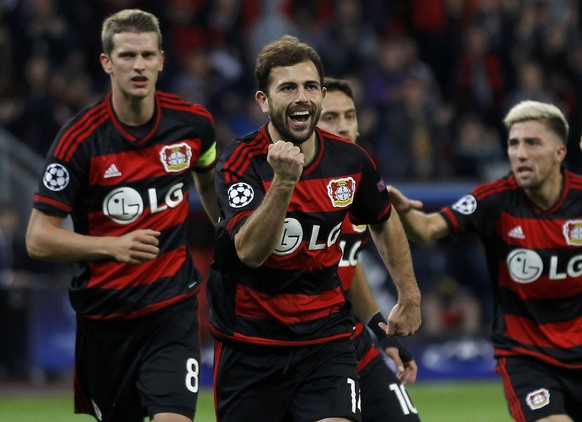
466,205
176,157
572,230
538,399
341,191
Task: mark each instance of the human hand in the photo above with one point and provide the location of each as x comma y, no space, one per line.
404,320
407,370
401,202
136,247
287,161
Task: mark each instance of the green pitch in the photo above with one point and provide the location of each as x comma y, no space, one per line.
436,402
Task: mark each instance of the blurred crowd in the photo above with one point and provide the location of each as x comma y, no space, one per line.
433,80
434,77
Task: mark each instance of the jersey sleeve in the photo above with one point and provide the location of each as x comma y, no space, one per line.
207,132
238,192
61,180
472,213
372,201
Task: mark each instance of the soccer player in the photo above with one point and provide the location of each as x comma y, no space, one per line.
278,312
530,223
384,397
121,168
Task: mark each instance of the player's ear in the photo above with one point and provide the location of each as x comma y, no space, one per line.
162,60
561,153
263,101
106,63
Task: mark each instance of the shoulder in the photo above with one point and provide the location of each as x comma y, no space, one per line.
183,108
237,156
337,143
84,125
574,180
498,187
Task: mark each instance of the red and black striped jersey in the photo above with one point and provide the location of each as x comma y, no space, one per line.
534,258
295,297
352,240
112,182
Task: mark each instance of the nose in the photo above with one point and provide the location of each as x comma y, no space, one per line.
301,97
343,127
139,63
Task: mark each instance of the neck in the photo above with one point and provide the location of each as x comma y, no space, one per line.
547,195
133,111
308,148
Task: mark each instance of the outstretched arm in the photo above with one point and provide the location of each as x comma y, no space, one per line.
419,226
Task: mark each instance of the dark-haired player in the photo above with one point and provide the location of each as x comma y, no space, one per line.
530,223
278,312
121,168
384,397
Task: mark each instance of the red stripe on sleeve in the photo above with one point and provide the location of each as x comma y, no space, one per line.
66,208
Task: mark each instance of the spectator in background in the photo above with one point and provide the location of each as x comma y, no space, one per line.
477,151
347,39
531,85
35,104
479,82
415,131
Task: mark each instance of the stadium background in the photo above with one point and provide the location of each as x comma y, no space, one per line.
433,80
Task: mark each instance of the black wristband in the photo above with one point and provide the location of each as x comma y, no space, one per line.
385,341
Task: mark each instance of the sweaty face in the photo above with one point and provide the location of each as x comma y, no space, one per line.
339,115
535,153
135,63
294,101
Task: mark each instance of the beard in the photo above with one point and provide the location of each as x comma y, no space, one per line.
279,122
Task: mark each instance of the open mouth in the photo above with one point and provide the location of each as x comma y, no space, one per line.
300,118
139,80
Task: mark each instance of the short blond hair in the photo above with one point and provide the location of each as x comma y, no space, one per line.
546,113
128,20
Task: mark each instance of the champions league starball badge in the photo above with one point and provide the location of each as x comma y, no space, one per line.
466,205
56,177
240,194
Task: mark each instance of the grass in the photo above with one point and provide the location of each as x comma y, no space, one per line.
480,401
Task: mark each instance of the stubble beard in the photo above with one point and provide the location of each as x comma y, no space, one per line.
287,133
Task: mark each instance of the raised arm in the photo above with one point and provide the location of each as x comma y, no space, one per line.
419,226
260,233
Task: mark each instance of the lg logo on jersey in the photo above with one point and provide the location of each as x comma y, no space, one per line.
124,205
526,266
293,235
